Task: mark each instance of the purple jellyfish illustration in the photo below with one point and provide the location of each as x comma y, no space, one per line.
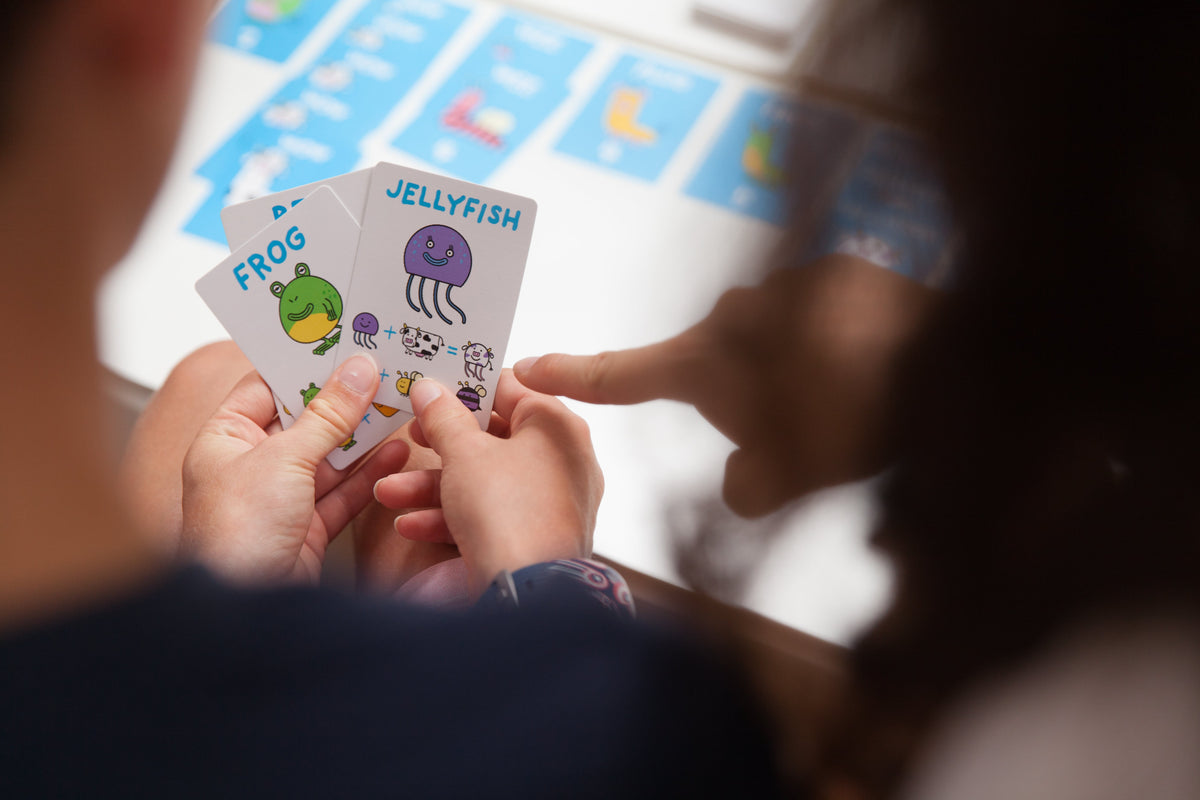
365,327
440,254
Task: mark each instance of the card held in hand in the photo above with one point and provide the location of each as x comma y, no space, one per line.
281,296
436,283
242,220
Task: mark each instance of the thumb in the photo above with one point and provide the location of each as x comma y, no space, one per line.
331,417
445,422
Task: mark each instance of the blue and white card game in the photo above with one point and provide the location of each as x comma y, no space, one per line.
421,271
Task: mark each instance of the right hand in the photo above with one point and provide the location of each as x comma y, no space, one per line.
794,371
524,492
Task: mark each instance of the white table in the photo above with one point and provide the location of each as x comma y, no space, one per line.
663,259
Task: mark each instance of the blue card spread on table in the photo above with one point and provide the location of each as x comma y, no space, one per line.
509,84
891,210
312,126
639,115
268,28
774,148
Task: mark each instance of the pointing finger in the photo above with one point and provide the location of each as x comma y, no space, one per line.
615,377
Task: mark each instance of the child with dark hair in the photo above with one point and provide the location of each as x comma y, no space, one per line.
1038,420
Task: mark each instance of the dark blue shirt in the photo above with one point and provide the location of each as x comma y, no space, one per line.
195,689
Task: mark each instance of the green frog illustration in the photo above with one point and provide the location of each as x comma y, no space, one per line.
310,309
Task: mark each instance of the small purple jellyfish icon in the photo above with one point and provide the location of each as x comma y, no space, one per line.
440,254
365,327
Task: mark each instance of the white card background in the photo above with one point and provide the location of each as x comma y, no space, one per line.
243,220
496,227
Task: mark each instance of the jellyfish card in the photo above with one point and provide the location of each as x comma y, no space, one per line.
436,282
281,298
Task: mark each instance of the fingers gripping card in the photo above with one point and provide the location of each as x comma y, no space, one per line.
436,283
280,296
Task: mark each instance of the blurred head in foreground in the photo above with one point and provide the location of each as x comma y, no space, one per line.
1044,423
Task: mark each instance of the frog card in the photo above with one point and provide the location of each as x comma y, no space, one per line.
242,220
436,282
280,296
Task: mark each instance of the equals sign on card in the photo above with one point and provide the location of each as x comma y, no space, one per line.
452,350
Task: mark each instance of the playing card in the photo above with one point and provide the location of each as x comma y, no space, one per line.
280,296
435,283
242,220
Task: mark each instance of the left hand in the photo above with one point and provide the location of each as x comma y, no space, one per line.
262,504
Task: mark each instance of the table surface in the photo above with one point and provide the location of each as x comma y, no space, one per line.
615,262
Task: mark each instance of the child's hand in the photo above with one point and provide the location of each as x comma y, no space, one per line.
260,504
523,493
793,371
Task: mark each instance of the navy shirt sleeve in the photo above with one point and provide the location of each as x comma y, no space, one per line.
566,583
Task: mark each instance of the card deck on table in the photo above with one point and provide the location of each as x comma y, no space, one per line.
428,286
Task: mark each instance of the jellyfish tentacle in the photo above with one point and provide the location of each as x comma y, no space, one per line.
451,302
421,297
438,308
408,293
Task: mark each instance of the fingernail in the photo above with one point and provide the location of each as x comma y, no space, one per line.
424,392
524,365
359,373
